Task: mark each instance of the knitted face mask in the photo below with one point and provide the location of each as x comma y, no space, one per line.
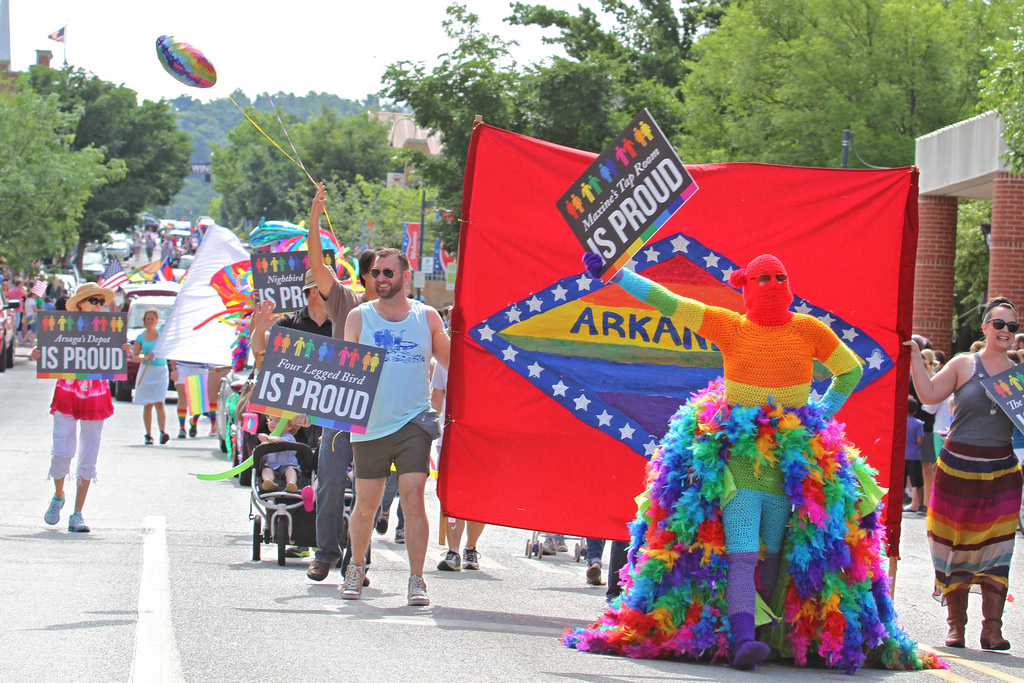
766,292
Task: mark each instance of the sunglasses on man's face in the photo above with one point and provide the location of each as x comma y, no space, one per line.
95,301
766,278
377,272
999,324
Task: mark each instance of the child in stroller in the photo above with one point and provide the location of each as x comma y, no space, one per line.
282,464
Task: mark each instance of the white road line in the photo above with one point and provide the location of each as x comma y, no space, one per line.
156,653
464,624
977,666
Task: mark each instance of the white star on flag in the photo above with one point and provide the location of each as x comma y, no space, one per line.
711,261
604,419
559,388
803,308
559,292
513,315
509,353
875,360
650,447
827,319
486,333
581,402
535,369
727,273
652,254
850,334
534,303
680,243
626,432
583,283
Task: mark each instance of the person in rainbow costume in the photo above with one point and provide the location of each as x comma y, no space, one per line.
751,478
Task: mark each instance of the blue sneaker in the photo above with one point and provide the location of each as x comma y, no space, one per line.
76,523
52,515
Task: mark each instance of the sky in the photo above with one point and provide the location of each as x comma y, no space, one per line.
339,46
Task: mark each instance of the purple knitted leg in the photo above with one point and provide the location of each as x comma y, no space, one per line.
739,588
769,574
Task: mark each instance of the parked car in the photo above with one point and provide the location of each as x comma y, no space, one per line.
93,264
119,245
7,338
138,301
227,429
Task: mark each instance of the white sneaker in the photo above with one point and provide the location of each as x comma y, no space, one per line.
418,591
352,589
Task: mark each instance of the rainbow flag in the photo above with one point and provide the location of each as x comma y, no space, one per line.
197,394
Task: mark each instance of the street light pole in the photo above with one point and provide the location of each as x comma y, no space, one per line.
423,227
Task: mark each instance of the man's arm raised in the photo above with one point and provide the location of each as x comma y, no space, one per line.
321,273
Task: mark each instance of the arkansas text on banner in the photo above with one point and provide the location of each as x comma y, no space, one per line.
279,277
330,380
76,345
1007,391
627,193
560,386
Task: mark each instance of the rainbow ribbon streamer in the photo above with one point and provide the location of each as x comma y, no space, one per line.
197,394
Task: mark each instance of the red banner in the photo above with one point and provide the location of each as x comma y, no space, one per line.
560,386
411,244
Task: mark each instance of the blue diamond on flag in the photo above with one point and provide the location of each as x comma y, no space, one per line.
616,363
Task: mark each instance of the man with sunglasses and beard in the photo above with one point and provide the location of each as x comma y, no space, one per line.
402,424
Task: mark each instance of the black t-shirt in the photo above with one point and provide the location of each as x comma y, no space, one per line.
300,320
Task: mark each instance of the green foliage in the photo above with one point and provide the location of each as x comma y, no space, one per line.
257,180
143,137
1002,89
970,280
45,181
780,79
366,214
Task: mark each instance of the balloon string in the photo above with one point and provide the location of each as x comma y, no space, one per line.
297,163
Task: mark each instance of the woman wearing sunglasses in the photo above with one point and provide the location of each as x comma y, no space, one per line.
79,408
972,514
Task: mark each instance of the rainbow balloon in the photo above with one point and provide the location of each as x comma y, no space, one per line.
185,63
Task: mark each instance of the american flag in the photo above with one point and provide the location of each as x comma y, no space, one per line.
114,276
58,35
39,288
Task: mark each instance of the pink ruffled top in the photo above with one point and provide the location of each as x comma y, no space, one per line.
82,399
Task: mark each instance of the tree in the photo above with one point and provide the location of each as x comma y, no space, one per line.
144,137
343,148
970,279
1002,89
477,77
780,79
46,181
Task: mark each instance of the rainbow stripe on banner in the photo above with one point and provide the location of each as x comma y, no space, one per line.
79,375
197,394
313,419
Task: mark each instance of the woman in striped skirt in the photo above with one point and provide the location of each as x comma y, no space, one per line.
972,514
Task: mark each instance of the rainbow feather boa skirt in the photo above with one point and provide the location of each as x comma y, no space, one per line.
833,590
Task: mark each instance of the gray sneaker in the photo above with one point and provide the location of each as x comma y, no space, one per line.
450,563
76,523
352,589
52,515
471,558
418,591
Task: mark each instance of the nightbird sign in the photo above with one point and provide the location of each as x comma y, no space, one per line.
76,345
1007,391
279,277
627,193
331,381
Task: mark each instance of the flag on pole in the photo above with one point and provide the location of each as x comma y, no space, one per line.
58,35
114,276
39,288
166,272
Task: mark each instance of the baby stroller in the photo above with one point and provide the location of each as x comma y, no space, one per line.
278,516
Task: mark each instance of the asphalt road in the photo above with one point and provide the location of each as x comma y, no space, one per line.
164,588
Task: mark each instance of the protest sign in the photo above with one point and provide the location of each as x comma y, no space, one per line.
77,345
279,277
1007,392
330,380
626,193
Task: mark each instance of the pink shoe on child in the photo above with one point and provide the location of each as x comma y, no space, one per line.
308,498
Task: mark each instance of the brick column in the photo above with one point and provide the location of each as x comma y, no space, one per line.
933,276
1006,254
